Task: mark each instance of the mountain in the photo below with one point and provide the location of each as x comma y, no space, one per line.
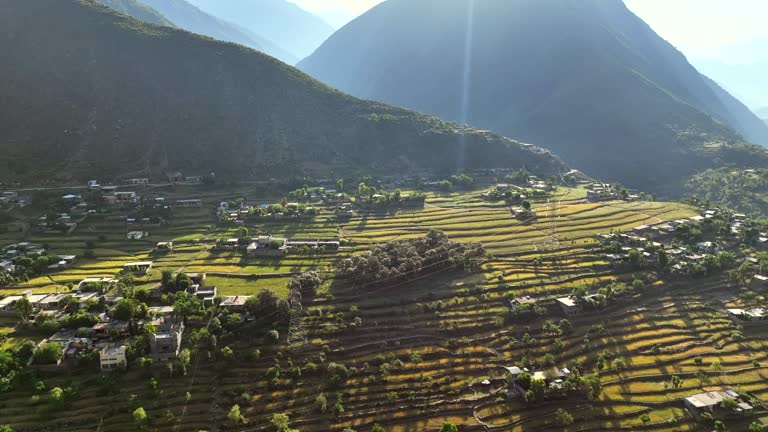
138,11
73,106
289,26
748,81
188,17
762,113
585,78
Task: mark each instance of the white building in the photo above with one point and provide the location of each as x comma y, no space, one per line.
113,357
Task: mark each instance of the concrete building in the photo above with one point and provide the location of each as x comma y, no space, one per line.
113,358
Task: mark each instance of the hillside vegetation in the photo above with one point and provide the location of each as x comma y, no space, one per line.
587,79
740,189
137,10
74,106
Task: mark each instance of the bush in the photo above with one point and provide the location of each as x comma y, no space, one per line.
48,353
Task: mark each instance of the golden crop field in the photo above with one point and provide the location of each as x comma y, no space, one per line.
419,350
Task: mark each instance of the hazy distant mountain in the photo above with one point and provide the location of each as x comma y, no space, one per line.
74,106
749,82
188,17
289,26
137,10
586,78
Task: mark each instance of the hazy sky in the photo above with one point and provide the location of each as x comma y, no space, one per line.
699,28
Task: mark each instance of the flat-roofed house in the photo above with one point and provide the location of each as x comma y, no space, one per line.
570,306
113,358
138,268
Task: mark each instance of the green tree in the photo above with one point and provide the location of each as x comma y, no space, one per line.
49,353
24,308
280,422
449,427
185,358
563,417
140,417
234,415
753,427
6,428
719,426
377,428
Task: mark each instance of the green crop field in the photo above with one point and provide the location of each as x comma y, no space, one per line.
419,350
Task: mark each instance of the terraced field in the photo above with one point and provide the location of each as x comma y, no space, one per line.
420,350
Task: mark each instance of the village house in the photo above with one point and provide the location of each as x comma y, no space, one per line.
752,314
65,262
113,358
166,247
166,342
138,268
206,294
109,329
520,301
137,181
165,312
711,402
234,304
126,197
189,203
51,302
7,303
137,235
96,284
267,246
327,246
570,306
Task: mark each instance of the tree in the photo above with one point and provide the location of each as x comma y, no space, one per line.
48,353
449,427
340,185
719,426
538,387
236,418
526,205
24,308
729,404
280,422
321,402
563,417
185,358
56,394
6,428
186,306
125,310
140,417
377,428
753,427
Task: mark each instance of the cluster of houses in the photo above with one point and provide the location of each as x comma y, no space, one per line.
597,192
108,335
273,246
553,377
648,239
240,212
10,199
10,254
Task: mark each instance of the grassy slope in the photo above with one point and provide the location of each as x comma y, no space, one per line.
167,99
137,10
